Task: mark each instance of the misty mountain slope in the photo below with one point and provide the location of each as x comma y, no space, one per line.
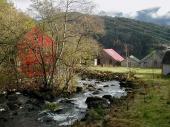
140,37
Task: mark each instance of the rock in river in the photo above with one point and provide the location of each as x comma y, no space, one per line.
108,97
106,86
79,89
94,102
96,92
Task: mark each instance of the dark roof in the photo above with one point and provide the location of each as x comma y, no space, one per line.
134,58
149,56
166,58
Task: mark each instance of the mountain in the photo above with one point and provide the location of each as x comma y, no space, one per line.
150,15
140,37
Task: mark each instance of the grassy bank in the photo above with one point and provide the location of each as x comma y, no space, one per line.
150,106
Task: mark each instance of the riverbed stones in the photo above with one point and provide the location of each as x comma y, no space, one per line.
94,102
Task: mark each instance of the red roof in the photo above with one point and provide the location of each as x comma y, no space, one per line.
114,55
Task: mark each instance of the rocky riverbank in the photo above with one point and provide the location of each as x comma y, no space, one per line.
35,109
102,75
17,109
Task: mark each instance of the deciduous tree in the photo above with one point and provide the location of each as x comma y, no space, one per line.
70,26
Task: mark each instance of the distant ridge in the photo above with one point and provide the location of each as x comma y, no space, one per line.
140,37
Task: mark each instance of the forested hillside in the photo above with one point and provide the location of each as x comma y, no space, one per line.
140,37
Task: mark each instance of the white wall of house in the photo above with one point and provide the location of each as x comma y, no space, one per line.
166,69
95,62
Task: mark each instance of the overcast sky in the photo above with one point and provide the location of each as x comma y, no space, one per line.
125,6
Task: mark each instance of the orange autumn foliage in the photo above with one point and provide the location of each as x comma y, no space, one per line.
34,50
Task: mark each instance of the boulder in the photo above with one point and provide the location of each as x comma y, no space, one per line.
98,82
116,101
2,98
4,108
12,97
100,89
34,102
48,119
94,102
58,110
117,77
96,92
123,84
90,85
30,107
79,89
13,106
91,88
128,84
67,101
108,97
106,86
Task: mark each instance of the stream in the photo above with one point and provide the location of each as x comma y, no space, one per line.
74,108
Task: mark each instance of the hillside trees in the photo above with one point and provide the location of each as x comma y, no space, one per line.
13,25
70,26
141,37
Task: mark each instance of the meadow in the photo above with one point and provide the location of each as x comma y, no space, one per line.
151,105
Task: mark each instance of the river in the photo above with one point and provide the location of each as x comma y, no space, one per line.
74,108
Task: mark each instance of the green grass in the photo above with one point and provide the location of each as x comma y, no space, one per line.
155,110
125,70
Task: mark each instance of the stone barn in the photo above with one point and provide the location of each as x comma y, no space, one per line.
166,63
154,59
130,61
110,57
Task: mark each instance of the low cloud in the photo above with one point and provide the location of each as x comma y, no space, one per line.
150,15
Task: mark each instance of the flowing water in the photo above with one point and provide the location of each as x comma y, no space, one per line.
74,108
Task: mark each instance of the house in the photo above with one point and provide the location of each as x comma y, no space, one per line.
34,47
154,59
109,57
130,61
166,63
